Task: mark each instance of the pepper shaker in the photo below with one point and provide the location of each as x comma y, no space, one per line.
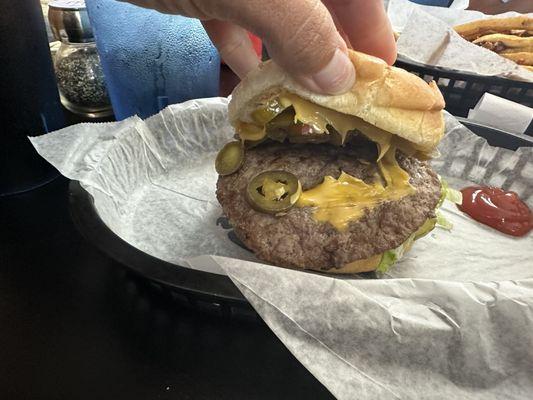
79,74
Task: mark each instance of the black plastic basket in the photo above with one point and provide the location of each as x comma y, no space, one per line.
462,90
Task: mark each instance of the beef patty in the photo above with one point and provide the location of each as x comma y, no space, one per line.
296,239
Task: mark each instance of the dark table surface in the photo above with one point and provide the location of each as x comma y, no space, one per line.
76,325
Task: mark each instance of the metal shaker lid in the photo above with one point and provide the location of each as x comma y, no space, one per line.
69,21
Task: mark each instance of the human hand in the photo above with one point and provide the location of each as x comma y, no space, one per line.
307,38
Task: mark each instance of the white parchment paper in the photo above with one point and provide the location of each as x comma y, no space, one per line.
427,36
453,320
399,12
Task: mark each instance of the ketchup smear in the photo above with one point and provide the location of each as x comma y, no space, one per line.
497,208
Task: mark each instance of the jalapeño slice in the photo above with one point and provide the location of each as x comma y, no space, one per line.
273,191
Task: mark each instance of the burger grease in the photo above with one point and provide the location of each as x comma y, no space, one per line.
364,189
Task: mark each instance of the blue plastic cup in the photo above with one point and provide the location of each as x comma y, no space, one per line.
151,59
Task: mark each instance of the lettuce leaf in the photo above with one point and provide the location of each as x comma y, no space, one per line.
442,222
448,193
390,257
443,191
455,196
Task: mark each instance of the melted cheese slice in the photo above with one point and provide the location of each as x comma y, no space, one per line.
343,200
340,201
252,132
318,118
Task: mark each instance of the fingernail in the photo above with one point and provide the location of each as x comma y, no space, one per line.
338,76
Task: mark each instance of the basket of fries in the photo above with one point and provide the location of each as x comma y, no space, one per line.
511,38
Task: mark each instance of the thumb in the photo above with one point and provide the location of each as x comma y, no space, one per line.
310,48
300,36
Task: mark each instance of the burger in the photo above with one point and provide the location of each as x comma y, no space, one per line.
510,37
333,183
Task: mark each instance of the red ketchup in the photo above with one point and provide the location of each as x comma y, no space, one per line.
497,208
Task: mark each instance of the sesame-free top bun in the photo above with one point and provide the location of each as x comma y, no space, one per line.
387,97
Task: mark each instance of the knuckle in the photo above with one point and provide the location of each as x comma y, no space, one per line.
307,43
230,45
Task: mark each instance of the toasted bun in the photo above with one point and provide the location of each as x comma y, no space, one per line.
512,44
356,267
390,98
473,30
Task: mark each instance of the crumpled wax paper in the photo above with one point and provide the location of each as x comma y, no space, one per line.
452,320
399,12
427,36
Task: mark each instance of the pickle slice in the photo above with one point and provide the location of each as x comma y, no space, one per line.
269,112
230,158
273,192
282,120
278,128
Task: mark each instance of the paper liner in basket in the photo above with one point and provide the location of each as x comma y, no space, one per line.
453,321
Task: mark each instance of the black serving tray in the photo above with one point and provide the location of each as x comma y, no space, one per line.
205,291
200,290
462,90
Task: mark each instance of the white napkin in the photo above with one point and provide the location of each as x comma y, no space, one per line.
502,113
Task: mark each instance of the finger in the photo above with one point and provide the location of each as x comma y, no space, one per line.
234,46
339,27
182,7
300,36
367,26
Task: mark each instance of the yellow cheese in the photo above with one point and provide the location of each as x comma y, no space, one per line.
262,116
340,201
251,132
319,117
